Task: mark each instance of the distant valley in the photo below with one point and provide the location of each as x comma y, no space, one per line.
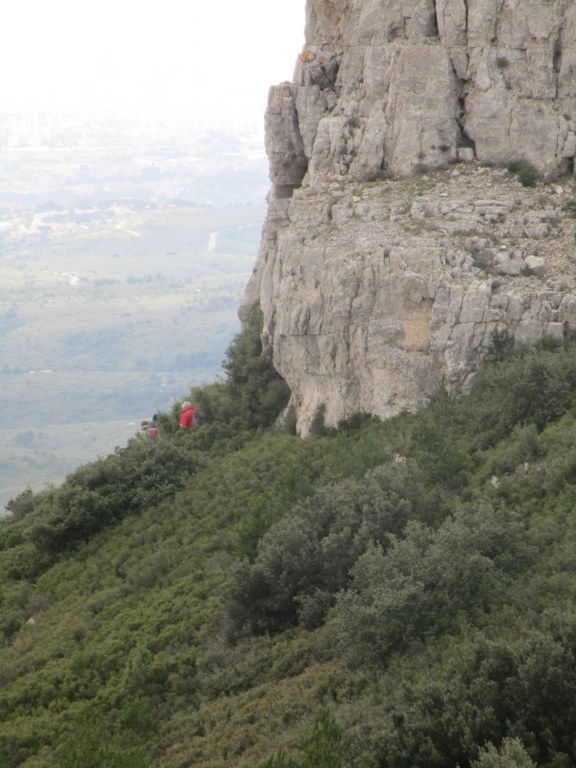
121,268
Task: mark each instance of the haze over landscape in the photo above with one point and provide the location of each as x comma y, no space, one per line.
178,60
132,194
365,554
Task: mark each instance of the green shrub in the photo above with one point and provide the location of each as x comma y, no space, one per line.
526,173
532,387
439,443
326,746
280,760
501,346
318,424
416,588
252,394
256,391
290,421
519,685
25,503
91,742
512,754
305,558
104,492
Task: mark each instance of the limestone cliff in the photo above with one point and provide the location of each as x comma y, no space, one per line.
396,242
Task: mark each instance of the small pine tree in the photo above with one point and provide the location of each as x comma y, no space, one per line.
253,394
280,760
318,425
258,393
327,745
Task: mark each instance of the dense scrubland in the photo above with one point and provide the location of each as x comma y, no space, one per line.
387,594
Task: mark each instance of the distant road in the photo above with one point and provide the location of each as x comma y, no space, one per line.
72,277
212,238
122,228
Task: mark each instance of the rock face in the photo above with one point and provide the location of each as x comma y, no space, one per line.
395,243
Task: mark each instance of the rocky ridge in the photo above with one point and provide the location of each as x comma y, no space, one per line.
396,243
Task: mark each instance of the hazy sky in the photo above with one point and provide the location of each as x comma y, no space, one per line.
177,57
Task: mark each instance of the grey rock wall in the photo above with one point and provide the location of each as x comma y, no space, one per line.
391,251
400,84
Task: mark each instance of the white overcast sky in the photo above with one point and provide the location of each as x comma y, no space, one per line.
180,58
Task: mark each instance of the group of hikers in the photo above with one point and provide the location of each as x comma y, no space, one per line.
190,418
149,429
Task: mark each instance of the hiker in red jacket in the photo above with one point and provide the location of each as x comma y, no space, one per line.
187,417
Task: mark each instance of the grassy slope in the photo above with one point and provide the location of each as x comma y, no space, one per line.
129,624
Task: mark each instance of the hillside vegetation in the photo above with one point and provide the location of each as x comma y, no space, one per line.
388,594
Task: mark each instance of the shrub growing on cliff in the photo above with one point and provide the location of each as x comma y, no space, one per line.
253,394
525,172
501,346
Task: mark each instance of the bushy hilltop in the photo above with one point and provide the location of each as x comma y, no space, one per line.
388,594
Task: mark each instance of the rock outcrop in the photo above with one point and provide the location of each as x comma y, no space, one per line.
396,243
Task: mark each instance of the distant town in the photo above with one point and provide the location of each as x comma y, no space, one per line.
30,130
62,162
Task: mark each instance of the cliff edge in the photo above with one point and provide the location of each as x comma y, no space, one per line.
396,242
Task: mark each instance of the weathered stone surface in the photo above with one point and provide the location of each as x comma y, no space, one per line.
387,86
391,251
